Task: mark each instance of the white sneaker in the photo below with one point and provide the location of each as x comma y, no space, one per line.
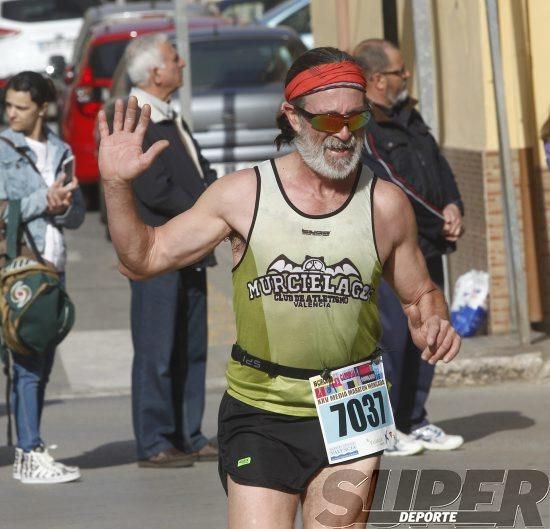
403,445
40,467
433,437
17,463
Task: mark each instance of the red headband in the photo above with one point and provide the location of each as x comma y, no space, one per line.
323,76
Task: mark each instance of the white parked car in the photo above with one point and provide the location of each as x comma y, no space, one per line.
295,14
32,31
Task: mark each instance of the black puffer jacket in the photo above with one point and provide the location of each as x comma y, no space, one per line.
400,138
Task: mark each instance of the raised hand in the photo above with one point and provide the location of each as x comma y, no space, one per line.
121,157
436,337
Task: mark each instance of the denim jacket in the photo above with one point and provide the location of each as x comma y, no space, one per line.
19,180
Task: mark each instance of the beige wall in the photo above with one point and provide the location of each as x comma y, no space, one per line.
538,15
466,103
463,79
365,21
517,72
324,23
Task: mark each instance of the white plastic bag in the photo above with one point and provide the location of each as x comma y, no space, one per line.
470,302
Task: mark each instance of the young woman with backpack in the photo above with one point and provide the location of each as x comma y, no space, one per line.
31,170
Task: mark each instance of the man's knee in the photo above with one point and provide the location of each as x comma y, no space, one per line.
344,495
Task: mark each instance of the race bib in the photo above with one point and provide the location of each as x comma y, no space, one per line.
354,410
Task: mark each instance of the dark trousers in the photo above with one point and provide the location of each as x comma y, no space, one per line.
410,376
169,334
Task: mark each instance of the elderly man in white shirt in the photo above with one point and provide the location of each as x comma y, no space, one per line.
168,313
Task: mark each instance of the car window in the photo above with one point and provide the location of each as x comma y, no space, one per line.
299,21
104,58
45,10
240,63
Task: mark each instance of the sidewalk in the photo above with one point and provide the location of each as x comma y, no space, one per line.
483,360
98,363
487,360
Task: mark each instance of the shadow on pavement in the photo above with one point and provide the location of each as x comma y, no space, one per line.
107,455
474,427
6,455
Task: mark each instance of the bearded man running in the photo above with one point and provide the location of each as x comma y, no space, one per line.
311,233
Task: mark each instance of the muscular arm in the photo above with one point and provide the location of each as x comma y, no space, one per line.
223,209
405,270
145,251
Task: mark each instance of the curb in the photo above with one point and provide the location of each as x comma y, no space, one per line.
531,367
486,370
213,385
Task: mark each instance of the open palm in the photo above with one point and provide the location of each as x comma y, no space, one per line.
121,157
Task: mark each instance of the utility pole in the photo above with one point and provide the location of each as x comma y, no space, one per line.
425,63
517,288
182,39
425,69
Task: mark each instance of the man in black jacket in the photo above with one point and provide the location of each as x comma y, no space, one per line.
400,148
168,312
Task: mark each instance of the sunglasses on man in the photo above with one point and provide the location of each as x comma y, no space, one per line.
336,122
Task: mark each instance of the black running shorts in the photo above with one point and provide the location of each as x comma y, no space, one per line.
265,449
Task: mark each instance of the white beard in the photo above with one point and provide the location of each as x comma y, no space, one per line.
399,98
404,94
313,154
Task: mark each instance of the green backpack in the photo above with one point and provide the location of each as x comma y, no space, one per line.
35,310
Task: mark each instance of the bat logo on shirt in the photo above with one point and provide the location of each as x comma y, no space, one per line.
314,265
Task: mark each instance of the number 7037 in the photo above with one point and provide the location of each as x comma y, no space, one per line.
362,413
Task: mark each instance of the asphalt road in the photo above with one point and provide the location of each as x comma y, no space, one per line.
504,426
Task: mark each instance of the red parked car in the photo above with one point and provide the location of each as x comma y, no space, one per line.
89,87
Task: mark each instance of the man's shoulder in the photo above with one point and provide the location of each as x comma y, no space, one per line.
393,213
238,180
233,193
389,197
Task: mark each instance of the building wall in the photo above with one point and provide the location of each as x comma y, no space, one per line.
472,247
365,21
538,15
469,131
483,245
461,74
541,203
